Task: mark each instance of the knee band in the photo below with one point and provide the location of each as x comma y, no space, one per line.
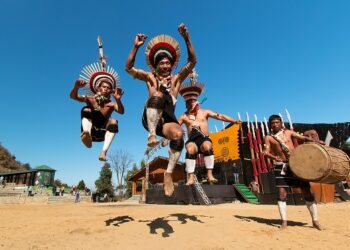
177,145
113,128
208,153
284,199
155,102
191,156
86,114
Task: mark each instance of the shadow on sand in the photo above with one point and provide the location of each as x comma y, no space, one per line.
118,220
270,222
163,222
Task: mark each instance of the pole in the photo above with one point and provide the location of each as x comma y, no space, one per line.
103,60
257,156
251,147
269,164
295,141
241,129
261,154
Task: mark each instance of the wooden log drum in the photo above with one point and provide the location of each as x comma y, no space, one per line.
318,163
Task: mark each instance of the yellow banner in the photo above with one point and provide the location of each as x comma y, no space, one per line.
225,144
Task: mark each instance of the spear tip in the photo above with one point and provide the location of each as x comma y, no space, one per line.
99,40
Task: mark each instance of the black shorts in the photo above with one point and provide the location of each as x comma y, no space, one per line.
99,123
168,116
288,179
197,138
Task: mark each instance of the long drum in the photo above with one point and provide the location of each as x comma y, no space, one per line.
318,163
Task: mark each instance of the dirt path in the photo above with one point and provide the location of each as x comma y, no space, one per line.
134,226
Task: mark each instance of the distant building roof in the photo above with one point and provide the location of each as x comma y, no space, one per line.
44,167
158,161
18,172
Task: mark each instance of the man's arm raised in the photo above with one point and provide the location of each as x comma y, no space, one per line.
129,66
118,106
74,92
192,60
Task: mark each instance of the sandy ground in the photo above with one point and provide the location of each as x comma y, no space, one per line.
130,225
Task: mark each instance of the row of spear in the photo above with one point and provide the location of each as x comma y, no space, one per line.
256,137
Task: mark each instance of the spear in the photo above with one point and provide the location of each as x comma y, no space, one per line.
256,148
251,147
283,126
241,129
295,141
100,50
257,155
266,126
258,138
269,164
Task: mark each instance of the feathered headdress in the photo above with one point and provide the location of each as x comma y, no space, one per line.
193,89
97,72
162,44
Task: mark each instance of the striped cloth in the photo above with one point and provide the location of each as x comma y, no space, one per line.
285,177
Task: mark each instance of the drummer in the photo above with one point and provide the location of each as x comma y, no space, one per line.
278,146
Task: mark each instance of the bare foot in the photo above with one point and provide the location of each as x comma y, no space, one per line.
317,225
212,180
210,176
283,225
86,139
102,156
190,179
168,184
152,141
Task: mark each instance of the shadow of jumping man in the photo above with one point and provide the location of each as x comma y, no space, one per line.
270,222
159,223
184,217
119,220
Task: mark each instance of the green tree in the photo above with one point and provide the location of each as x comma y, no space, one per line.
27,166
104,183
57,183
81,185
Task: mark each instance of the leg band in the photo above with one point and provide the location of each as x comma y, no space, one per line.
177,145
191,156
209,161
86,124
282,208
86,112
190,165
173,158
109,136
190,162
113,128
312,207
209,152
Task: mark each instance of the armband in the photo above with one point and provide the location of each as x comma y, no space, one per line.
188,67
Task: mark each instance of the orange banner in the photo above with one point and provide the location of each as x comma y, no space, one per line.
225,144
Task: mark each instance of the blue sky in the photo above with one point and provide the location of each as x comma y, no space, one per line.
254,56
